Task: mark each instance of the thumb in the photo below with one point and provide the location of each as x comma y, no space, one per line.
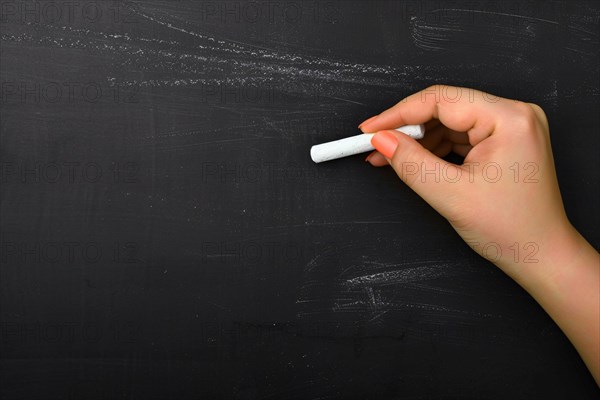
437,181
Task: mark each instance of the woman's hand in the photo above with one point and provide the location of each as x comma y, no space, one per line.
504,200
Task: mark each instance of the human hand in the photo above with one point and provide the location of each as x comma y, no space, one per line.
504,200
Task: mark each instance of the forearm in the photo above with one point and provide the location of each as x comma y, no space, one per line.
566,283
505,217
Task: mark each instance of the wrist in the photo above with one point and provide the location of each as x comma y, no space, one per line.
566,283
552,253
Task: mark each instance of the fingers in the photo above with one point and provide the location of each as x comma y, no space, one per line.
461,149
438,134
433,137
460,109
443,149
457,137
429,125
377,159
419,168
440,141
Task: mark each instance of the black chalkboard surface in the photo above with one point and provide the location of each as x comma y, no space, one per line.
165,234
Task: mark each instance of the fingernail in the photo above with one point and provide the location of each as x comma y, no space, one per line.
367,120
369,156
385,142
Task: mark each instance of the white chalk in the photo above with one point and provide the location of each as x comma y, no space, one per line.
356,144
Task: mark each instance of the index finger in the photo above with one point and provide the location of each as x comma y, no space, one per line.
460,109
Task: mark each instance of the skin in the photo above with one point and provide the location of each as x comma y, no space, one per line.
517,219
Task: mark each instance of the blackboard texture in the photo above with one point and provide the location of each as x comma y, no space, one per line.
165,234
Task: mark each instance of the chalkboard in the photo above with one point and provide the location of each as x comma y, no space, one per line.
165,234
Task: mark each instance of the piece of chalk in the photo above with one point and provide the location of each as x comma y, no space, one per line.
356,144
